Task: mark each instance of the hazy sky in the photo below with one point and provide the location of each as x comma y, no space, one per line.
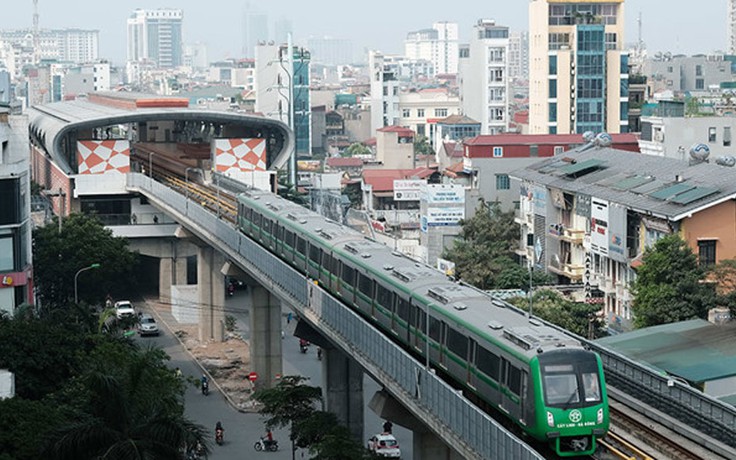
669,25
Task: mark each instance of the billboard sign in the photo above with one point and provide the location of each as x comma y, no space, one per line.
443,194
599,226
239,155
408,190
103,157
437,217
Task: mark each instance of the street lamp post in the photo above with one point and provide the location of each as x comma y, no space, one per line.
76,299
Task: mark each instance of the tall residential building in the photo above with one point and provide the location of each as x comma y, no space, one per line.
439,45
578,73
731,26
73,45
519,55
384,92
272,80
156,36
255,31
484,82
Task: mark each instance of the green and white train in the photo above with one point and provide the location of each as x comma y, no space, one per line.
544,381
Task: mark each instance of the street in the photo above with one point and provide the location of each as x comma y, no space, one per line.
242,430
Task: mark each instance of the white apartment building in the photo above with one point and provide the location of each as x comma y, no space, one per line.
484,81
71,45
384,93
439,45
420,110
731,26
519,55
578,73
156,35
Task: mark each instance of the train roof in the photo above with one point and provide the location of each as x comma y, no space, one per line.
464,306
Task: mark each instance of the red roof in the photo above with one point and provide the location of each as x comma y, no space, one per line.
403,132
536,139
347,162
382,180
455,170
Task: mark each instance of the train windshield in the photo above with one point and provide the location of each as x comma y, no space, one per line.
573,382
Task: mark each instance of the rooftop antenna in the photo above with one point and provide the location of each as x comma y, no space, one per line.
640,43
36,38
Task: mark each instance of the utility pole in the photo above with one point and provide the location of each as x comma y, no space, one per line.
290,64
36,31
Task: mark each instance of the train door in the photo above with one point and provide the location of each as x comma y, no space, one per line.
510,388
472,374
523,395
419,327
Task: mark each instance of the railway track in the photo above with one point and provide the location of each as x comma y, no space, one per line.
221,203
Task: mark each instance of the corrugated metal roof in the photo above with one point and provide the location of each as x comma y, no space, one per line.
695,350
664,173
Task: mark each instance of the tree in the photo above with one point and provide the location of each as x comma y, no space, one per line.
668,286
485,245
355,149
422,147
723,278
83,241
577,317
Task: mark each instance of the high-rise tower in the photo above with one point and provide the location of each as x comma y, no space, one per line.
578,73
156,35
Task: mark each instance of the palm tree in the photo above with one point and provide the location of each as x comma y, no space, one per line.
135,412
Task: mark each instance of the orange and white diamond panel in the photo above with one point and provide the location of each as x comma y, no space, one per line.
102,157
238,155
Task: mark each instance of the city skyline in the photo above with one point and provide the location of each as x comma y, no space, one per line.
222,31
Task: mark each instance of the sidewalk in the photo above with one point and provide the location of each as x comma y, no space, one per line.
227,363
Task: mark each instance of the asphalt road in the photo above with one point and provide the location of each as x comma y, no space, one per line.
243,430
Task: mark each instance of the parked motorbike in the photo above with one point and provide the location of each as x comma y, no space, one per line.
265,444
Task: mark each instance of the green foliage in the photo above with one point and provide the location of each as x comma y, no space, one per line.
421,146
25,424
356,148
668,286
723,277
82,242
485,246
515,276
229,323
289,401
577,317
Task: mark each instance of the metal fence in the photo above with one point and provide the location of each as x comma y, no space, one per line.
463,426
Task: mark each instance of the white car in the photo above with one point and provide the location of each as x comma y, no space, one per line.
384,445
124,309
147,325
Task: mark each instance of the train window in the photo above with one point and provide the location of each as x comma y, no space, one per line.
327,262
435,327
420,319
402,309
248,213
487,362
348,275
267,225
289,238
366,286
280,233
314,253
256,219
301,245
592,387
384,297
457,342
514,380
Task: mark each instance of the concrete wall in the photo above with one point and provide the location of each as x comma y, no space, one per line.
716,223
185,303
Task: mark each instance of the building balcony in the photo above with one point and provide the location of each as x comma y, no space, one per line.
571,235
524,218
572,271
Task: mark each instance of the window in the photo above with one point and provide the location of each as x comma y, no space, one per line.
513,379
487,362
420,113
497,152
699,83
289,238
503,182
553,65
707,252
552,112
726,136
559,149
7,253
301,246
457,343
435,327
384,297
711,134
402,309
553,89
440,112
348,275
699,70
366,286
314,254
406,113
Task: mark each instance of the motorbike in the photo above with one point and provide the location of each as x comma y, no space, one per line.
265,444
205,387
231,289
219,437
303,344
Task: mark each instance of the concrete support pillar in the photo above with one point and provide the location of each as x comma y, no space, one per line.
343,379
180,271
427,446
265,336
211,287
164,279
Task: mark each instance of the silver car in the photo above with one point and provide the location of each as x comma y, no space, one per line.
147,325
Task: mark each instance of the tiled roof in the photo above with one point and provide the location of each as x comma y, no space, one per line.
532,139
403,132
382,180
458,120
665,187
346,162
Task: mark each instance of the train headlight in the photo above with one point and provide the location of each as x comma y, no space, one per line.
551,419
599,417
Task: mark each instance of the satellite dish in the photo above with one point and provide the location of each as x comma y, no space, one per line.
588,136
699,152
726,160
603,140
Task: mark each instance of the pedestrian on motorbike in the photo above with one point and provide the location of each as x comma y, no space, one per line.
205,385
219,433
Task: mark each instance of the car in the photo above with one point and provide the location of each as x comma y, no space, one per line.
124,309
147,325
384,445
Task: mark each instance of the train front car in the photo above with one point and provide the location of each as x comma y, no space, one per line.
571,392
